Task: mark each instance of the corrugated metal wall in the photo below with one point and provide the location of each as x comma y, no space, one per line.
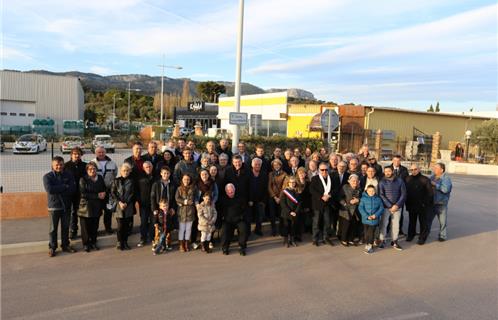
58,97
452,128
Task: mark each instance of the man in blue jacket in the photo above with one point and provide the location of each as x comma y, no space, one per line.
392,191
60,187
441,184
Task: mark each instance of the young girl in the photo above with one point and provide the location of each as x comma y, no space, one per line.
371,208
290,204
207,218
185,198
163,223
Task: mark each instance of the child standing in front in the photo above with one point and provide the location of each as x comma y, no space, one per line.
207,214
371,208
185,198
163,222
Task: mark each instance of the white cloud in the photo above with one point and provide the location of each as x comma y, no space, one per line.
7,53
471,31
101,70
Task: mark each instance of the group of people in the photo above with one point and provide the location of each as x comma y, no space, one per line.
201,193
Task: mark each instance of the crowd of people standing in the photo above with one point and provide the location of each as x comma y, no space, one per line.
203,193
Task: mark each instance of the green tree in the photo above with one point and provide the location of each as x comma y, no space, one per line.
437,107
431,109
210,90
486,136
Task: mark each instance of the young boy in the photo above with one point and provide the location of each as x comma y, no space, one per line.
163,224
371,208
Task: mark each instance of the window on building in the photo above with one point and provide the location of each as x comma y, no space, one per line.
13,114
3,113
22,114
31,114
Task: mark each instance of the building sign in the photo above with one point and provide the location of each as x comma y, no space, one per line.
238,118
196,106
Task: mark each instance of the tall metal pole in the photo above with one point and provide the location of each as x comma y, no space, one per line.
162,94
238,67
129,104
113,111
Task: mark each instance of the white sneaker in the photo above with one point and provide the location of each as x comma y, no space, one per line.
195,245
211,245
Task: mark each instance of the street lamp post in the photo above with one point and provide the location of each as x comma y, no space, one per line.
468,134
114,110
162,66
129,103
238,67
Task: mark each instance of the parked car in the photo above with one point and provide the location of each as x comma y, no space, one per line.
71,142
186,131
30,143
103,140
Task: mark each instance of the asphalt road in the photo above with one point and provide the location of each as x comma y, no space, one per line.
456,279
24,172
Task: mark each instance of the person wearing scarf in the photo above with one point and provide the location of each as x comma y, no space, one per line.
321,198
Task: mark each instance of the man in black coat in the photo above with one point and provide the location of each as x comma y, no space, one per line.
418,203
238,175
233,219
258,194
339,178
153,157
77,167
372,162
60,187
145,182
224,147
322,191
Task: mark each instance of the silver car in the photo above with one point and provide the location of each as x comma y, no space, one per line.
71,142
103,140
30,143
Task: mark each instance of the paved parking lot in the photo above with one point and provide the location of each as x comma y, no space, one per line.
24,172
456,279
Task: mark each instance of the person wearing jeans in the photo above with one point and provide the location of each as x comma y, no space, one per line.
441,184
392,191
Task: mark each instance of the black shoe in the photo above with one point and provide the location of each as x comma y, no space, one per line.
397,246
401,234
226,252
315,243
421,242
409,239
69,249
298,239
382,244
441,239
126,246
86,248
329,241
74,235
52,253
242,252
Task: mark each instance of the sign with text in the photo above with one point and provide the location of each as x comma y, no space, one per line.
196,106
238,118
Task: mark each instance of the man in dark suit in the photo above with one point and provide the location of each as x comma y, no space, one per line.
321,189
153,157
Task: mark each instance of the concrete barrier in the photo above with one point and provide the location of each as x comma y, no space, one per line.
23,205
471,168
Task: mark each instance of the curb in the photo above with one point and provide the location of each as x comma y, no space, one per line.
104,241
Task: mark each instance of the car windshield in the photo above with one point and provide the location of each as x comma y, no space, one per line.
28,138
106,140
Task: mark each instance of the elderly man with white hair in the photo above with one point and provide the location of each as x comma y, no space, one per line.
233,219
107,169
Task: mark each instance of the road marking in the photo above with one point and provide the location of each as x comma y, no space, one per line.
409,316
61,311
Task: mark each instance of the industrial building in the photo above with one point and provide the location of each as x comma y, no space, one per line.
26,96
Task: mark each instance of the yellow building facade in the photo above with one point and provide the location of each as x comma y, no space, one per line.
300,117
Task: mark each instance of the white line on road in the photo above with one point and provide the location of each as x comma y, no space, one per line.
61,311
409,316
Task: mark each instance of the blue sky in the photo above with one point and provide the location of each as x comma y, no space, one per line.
394,53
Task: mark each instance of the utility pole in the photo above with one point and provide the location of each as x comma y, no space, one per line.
162,66
238,67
